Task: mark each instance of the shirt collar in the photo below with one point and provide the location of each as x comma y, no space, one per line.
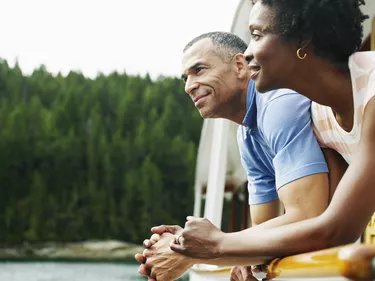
250,119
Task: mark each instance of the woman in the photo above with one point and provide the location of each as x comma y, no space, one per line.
310,47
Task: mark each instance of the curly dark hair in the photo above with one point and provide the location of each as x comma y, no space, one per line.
333,27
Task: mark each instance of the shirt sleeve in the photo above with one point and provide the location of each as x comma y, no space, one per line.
287,128
261,185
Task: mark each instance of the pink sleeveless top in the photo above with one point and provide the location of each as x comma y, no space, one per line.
327,130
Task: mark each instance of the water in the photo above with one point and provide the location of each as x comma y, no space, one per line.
52,271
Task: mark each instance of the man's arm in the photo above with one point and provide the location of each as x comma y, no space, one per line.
302,199
260,213
336,166
300,167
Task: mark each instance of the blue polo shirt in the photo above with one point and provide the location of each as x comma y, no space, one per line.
277,144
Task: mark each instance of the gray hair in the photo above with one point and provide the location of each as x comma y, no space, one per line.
228,44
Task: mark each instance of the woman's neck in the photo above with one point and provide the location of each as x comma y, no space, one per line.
328,85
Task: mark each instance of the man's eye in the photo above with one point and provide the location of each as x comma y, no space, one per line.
255,35
199,69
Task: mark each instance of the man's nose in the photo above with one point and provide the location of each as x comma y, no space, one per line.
191,85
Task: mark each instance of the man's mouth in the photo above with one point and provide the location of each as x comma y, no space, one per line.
197,98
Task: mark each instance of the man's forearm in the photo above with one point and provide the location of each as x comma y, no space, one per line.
285,219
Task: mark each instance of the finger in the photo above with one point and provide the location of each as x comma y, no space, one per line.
259,268
255,268
246,271
140,258
143,270
235,274
191,218
178,240
152,275
178,248
264,268
247,274
147,243
166,228
147,253
154,238
239,275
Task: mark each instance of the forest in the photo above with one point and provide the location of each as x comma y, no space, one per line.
93,158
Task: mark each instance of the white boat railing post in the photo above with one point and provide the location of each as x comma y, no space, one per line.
217,172
197,200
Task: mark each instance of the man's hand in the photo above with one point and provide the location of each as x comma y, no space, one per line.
160,262
147,243
200,239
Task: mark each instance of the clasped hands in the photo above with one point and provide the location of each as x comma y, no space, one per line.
172,250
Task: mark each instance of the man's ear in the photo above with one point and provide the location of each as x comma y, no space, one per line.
241,66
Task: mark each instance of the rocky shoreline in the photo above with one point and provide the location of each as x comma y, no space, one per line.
111,251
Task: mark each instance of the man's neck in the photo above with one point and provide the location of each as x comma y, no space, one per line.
236,110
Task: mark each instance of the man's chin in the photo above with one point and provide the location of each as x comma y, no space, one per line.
206,114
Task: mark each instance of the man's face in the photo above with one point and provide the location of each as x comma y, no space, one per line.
210,81
271,59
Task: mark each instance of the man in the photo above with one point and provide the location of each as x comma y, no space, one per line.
278,148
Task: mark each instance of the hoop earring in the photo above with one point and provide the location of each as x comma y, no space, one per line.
299,55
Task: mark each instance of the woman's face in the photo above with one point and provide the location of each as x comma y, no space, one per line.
271,59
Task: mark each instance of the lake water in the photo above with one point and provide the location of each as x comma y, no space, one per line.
52,271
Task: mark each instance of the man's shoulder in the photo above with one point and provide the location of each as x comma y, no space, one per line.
283,111
283,103
281,96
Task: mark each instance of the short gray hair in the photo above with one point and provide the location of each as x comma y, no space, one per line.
228,44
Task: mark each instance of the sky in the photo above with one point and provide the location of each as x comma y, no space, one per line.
91,36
